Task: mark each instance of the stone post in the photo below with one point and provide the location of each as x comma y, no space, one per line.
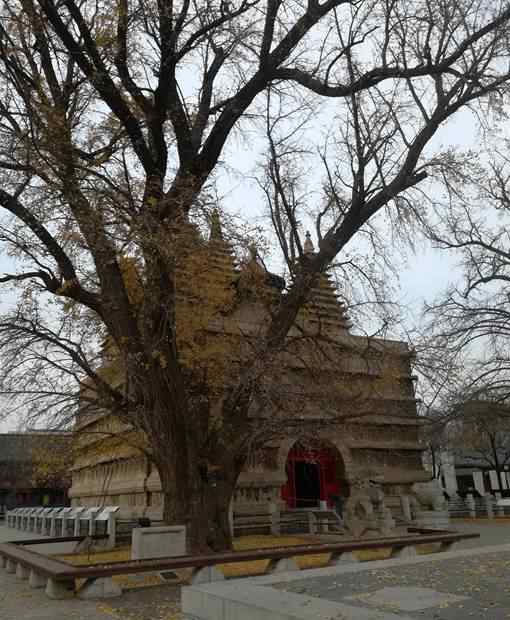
92,524
338,559
488,506
76,525
231,518
35,580
59,589
111,529
68,525
500,510
403,553
405,504
470,501
101,588
275,519
312,523
207,574
47,525
284,565
22,572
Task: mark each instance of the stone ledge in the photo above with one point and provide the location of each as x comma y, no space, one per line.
229,602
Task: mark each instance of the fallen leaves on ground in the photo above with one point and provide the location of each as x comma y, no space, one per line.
238,569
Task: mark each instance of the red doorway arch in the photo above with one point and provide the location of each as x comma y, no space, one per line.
314,474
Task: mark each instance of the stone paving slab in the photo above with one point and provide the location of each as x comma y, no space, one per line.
406,598
19,602
229,602
472,584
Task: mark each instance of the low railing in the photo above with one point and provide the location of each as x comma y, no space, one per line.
290,521
60,577
64,521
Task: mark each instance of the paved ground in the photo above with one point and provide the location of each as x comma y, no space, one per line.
476,586
452,589
491,532
483,580
20,602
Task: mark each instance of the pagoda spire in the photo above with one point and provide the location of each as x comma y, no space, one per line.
221,260
216,230
308,247
324,313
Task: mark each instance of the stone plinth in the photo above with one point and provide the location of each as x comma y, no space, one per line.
99,588
158,542
433,519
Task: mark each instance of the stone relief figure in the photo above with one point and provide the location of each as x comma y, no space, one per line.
429,495
365,510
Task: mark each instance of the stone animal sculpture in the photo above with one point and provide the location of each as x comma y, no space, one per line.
429,494
365,510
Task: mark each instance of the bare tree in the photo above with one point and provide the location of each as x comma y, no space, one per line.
435,438
470,322
114,117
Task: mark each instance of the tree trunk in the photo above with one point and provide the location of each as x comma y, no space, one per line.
199,498
198,469
433,456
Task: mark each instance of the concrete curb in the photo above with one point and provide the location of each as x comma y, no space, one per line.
259,603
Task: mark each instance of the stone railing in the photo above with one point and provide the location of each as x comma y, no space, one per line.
62,522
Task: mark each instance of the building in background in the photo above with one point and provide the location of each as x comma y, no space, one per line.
461,472
471,452
34,469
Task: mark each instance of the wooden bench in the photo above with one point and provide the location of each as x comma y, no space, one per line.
59,577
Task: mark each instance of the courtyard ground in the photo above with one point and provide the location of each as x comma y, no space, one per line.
460,587
482,578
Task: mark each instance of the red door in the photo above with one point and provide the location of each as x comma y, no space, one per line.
327,484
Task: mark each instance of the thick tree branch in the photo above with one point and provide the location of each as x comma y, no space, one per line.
70,286
98,75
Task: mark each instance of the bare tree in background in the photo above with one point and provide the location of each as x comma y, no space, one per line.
114,118
435,437
470,322
483,430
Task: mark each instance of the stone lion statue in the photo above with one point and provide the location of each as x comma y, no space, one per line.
365,510
429,494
